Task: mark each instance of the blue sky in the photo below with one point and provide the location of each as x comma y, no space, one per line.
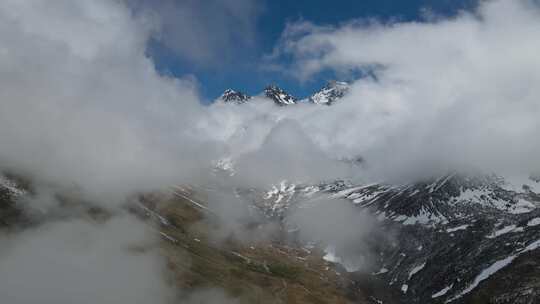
240,67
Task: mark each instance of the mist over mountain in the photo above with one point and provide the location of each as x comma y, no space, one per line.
416,180
331,92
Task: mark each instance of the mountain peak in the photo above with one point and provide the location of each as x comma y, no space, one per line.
232,96
332,91
279,96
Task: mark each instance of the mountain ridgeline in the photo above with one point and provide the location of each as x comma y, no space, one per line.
454,238
327,95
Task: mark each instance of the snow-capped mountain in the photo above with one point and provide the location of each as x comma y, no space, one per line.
331,92
232,96
10,187
10,191
279,96
272,92
455,237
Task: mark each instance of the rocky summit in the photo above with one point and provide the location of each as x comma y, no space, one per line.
333,91
232,96
279,96
330,93
455,238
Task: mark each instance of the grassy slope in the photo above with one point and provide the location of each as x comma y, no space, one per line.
265,273
518,283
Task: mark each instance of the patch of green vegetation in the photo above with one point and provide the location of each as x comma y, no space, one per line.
259,274
284,270
256,267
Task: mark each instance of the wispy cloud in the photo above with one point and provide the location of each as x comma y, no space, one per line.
449,92
81,104
208,33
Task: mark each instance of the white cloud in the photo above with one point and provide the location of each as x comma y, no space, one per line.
206,32
81,104
450,93
82,108
88,108
79,262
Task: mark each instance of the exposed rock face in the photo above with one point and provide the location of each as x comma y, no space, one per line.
235,97
279,96
10,215
264,271
333,91
329,94
457,239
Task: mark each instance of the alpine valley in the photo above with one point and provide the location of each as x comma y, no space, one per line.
453,238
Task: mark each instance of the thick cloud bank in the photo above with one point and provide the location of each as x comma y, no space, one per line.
83,110
444,94
89,108
79,262
80,103
209,32
82,107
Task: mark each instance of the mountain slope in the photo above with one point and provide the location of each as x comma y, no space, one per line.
452,235
235,97
279,96
10,191
266,271
331,92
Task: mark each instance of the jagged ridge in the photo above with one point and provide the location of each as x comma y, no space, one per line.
329,94
236,97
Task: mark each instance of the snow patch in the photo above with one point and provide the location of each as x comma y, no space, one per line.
381,271
11,186
225,165
517,183
404,288
522,206
442,292
493,268
416,270
462,227
424,217
534,222
486,197
348,264
504,230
